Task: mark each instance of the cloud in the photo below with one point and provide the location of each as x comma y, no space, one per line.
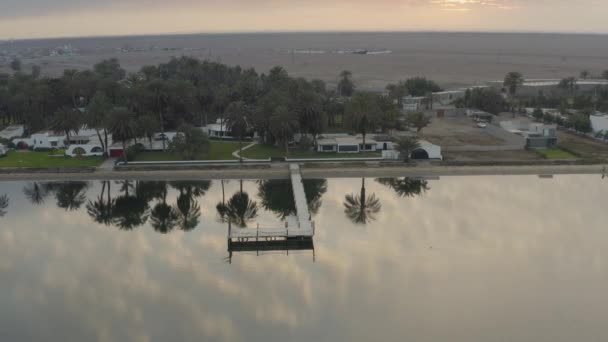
30,8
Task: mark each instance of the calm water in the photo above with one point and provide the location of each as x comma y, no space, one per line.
505,258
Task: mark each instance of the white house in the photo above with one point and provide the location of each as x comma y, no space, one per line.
84,151
413,103
12,132
346,144
599,122
448,97
427,150
42,140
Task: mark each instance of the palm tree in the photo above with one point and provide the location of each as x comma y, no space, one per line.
418,120
36,192
361,208
146,127
362,113
163,217
237,117
96,117
102,209
405,187
283,125
406,145
513,80
187,207
188,212
277,195
71,195
123,128
239,210
130,211
4,202
345,85
65,121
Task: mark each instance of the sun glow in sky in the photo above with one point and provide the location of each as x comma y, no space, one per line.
48,18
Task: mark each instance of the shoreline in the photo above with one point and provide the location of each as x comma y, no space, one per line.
330,171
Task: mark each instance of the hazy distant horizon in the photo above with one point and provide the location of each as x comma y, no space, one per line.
219,33
92,18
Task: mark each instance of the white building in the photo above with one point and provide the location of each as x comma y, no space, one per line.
42,140
84,151
448,97
599,122
3,150
346,144
413,103
12,132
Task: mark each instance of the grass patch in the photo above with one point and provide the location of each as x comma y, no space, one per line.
556,153
262,151
219,150
31,159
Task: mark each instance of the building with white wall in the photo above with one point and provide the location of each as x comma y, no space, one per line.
599,122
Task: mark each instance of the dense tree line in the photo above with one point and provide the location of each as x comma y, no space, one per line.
186,91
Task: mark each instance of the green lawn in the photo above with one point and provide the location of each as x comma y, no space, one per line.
218,151
556,153
30,159
261,151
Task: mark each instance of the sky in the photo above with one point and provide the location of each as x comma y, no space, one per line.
68,18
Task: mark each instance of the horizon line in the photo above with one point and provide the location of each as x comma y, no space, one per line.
236,32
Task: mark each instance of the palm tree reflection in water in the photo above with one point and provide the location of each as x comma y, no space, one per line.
4,202
239,209
361,208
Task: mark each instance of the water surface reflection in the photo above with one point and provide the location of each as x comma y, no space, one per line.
513,258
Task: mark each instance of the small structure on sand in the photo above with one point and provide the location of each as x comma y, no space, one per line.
346,144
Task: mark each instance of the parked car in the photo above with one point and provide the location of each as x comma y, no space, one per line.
482,125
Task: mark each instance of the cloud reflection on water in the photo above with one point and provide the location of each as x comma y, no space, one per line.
470,258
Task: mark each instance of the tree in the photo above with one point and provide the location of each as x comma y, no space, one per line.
418,120
67,120
346,87
240,209
420,86
584,74
16,65
406,145
36,71
362,113
146,127
4,202
396,92
283,125
581,123
538,114
163,217
237,121
102,209
513,80
361,208
488,100
277,195
190,142
122,126
71,195
605,74
130,210
97,117
36,192
405,187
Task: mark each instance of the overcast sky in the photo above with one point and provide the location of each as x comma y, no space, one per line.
54,18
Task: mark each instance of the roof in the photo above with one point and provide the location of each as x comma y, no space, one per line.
346,140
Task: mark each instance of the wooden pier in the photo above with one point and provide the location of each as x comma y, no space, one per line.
296,234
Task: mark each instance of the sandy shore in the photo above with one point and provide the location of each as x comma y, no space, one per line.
315,172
